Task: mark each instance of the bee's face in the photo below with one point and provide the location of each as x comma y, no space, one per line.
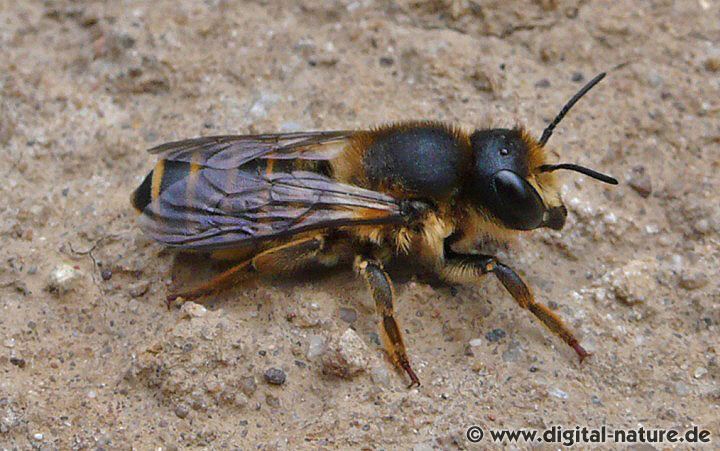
506,181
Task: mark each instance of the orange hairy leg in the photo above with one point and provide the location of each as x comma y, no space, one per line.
464,268
383,293
285,257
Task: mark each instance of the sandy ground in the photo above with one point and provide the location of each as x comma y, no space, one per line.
91,358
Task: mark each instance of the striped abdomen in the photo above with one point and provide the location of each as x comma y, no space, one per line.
168,173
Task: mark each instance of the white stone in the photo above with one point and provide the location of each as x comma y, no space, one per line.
633,283
316,346
346,356
556,392
63,278
193,310
476,342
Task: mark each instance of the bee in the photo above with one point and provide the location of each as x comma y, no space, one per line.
279,202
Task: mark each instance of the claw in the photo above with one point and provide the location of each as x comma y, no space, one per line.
413,377
412,384
581,352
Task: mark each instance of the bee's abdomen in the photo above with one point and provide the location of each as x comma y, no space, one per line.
168,173
165,174
425,159
142,196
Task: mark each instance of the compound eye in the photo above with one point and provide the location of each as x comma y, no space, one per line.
517,202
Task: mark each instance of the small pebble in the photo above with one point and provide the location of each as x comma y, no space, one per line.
62,279
248,385
272,401
192,310
476,342
652,229
633,283
106,274
577,77
139,289
700,372
681,389
309,313
693,280
20,363
386,61
198,402
214,386
240,400
544,83
469,350
316,346
495,335
639,181
346,355
654,79
596,400
275,376
380,375
701,226
182,410
38,436
556,392
513,352
348,315
134,305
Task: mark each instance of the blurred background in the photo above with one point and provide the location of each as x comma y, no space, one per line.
91,357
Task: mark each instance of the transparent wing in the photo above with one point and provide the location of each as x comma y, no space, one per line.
232,208
226,152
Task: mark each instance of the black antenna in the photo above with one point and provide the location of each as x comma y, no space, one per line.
581,169
547,133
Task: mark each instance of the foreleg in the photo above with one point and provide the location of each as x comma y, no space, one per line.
463,268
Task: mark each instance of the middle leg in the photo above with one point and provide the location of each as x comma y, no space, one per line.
383,294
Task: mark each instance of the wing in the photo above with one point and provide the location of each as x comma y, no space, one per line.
227,152
219,209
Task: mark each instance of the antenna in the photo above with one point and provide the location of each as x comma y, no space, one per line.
581,169
547,133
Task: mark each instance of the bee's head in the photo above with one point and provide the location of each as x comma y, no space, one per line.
511,179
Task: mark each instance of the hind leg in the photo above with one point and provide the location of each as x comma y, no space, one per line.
277,259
